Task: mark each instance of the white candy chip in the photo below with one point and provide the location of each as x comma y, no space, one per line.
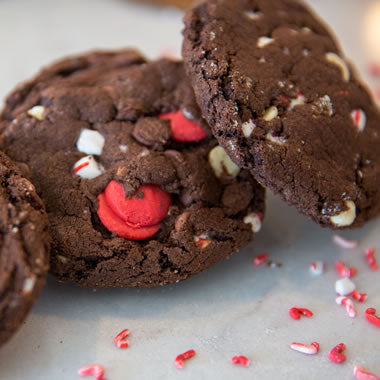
37,112
298,101
248,128
264,41
253,15
317,268
29,284
270,113
88,168
221,163
345,218
123,148
336,60
254,220
344,286
359,118
279,140
90,142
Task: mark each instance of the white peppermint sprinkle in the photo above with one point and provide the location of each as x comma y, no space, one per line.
90,142
264,41
253,15
279,140
297,102
212,36
123,148
254,220
29,284
338,61
248,128
345,218
88,168
359,118
37,112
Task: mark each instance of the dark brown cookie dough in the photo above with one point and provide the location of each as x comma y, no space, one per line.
24,247
280,98
145,178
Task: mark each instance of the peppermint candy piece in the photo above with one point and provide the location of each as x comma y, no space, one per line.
88,168
359,118
90,142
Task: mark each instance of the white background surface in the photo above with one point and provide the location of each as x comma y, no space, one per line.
234,308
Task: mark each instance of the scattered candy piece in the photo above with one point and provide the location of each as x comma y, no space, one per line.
345,271
370,256
344,286
260,259
255,220
264,41
359,118
179,360
344,243
371,316
37,112
296,312
348,304
88,168
248,128
336,355
317,268
299,100
310,350
336,60
221,163
345,218
95,370
360,297
183,129
362,374
242,360
279,140
120,339
202,241
90,142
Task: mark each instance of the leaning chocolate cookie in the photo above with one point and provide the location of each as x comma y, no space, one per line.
24,247
285,104
138,192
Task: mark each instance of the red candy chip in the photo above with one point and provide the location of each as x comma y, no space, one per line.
146,208
114,224
184,130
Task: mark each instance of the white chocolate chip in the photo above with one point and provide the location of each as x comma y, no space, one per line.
221,163
123,148
37,112
338,61
297,102
359,118
253,15
270,113
279,140
254,220
344,286
29,284
264,41
345,218
90,142
248,128
88,168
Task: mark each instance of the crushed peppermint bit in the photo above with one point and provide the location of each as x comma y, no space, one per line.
360,297
253,15
344,243
179,360
88,168
344,286
202,241
317,268
305,349
255,220
248,128
359,119
351,311
90,142
344,271
95,370
260,259
264,41
280,140
296,312
298,101
242,360
370,256
362,374
336,355
120,339
371,316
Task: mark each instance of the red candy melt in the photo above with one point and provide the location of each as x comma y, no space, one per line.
135,218
183,129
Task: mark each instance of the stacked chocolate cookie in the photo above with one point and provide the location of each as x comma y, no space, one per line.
127,163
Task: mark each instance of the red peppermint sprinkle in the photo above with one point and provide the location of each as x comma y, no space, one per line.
202,241
345,271
242,360
260,259
179,360
183,129
120,339
79,167
360,297
362,374
344,243
296,312
283,98
371,316
370,256
336,354
350,308
95,370
309,350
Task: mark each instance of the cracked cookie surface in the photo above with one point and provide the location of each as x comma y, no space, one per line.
24,247
137,191
283,102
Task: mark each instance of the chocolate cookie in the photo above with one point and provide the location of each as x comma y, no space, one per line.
284,103
138,193
24,247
